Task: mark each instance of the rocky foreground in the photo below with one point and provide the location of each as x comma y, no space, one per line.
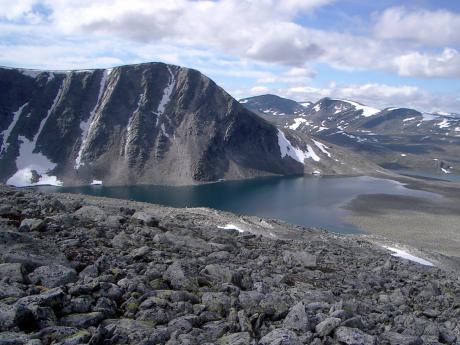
81,270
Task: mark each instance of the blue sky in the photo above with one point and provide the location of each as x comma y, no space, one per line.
382,53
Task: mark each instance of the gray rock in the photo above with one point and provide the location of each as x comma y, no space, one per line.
178,279
353,336
219,273
140,252
32,224
11,290
53,276
299,259
84,320
145,218
401,339
216,301
327,326
280,336
133,332
242,338
51,298
13,338
91,213
250,301
12,272
297,319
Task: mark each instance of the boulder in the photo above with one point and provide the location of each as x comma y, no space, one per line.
280,336
353,336
242,338
144,218
32,224
216,301
91,213
297,319
12,272
53,276
327,326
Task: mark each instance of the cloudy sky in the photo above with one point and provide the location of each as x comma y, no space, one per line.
382,53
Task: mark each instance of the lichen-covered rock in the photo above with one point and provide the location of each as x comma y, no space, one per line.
53,276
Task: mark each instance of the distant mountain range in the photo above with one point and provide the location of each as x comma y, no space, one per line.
401,138
149,123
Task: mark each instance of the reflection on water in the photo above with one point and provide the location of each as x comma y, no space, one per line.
306,200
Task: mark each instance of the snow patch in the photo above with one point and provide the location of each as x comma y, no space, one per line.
322,147
231,227
366,110
287,149
243,101
87,125
297,122
445,171
306,104
312,154
405,255
96,183
6,133
29,161
429,117
403,155
164,130
443,124
457,129
317,107
166,96
409,119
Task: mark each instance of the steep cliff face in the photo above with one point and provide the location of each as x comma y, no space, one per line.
147,123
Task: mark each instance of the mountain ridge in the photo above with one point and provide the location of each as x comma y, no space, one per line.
133,124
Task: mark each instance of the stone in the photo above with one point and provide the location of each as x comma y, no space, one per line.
216,301
178,278
84,320
280,336
32,224
327,326
53,276
353,336
91,213
241,338
297,319
299,259
139,253
401,339
12,272
145,218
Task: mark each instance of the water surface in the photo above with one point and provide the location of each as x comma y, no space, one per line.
305,200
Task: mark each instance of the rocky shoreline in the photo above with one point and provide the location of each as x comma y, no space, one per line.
84,270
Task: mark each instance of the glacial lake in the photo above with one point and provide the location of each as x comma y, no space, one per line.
303,200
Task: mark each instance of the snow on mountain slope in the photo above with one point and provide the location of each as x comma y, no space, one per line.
366,110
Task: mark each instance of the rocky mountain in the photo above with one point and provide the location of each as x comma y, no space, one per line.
401,138
147,123
272,105
86,270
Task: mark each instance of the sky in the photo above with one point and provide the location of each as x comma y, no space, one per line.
382,53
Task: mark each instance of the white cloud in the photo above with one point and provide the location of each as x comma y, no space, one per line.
446,64
259,90
437,28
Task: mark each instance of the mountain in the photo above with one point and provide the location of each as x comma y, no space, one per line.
393,137
149,123
273,105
